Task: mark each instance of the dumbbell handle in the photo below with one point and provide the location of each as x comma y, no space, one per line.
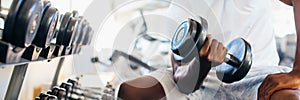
232,60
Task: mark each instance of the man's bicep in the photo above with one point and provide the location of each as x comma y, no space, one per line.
142,88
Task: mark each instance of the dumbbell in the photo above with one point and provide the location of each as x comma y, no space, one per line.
58,92
44,34
83,30
73,94
65,34
189,38
76,92
44,96
68,88
78,35
61,94
49,51
52,97
77,31
20,27
87,37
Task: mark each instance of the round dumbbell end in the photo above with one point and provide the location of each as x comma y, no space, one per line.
27,23
187,40
46,30
240,50
63,28
11,21
180,35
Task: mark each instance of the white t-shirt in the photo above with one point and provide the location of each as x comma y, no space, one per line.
230,19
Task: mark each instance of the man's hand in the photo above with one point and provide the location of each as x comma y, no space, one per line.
189,77
280,81
211,54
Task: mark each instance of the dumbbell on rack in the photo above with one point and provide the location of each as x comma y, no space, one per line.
65,34
189,38
76,92
72,90
48,53
83,29
45,33
20,27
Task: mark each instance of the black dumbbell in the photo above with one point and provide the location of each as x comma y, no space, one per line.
65,34
70,33
88,36
61,94
22,22
76,31
20,28
44,34
68,87
76,92
49,51
54,90
83,29
76,41
52,97
61,34
190,37
44,96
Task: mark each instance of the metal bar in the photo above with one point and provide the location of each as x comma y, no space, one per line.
16,82
60,64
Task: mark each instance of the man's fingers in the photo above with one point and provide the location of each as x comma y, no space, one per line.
223,52
213,50
205,48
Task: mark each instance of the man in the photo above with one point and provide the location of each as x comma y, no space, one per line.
285,85
250,19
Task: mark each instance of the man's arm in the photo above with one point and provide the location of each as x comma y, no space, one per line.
190,77
142,88
283,81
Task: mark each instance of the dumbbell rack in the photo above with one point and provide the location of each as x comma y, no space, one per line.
19,72
11,55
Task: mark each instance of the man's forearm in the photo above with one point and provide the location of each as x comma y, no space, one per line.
189,78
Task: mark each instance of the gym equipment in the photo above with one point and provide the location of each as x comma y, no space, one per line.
77,31
49,51
22,22
52,97
81,32
68,87
44,34
69,36
88,36
20,28
60,45
61,93
189,38
76,41
47,27
75,35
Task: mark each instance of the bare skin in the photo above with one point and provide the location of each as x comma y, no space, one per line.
282,84
211,54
